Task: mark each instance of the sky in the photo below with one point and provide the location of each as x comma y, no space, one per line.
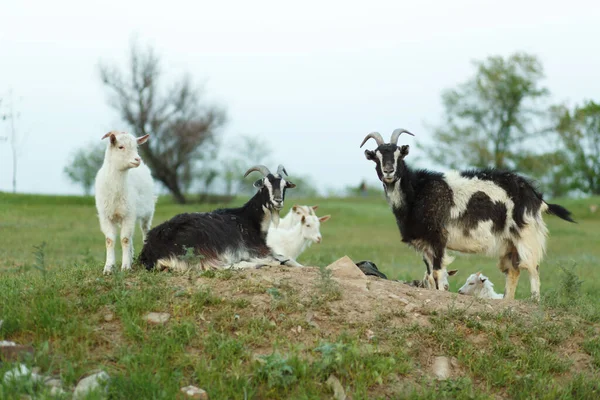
310,78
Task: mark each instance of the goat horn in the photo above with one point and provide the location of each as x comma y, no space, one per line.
281,170
260,168
373,135
396,134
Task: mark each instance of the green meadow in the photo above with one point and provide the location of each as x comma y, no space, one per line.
53,296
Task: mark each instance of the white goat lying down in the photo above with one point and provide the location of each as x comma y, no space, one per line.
479,285
124,194
293,241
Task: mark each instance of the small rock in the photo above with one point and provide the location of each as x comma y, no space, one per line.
16,373
90,383
194,393
6,343
441,368
109,317
427,301
338,390
344,268
157,318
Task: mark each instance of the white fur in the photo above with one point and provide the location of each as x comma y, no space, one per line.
479,285
294,216
124,194
292,242
529,243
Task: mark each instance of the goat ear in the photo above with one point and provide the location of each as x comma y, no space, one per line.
258,184
111,135
324,218
483,280
370,155
314,207
452,272
295,207
290,184
143,139
404,150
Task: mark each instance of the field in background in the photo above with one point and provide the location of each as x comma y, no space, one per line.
362,228
237,336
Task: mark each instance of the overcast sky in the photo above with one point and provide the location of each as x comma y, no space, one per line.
312,77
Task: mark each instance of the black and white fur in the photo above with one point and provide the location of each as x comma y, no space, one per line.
486,211
223,238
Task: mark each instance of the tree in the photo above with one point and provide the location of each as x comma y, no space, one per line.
245,151
179,124
489,118
84,166
579,132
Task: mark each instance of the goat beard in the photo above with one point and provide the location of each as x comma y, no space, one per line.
275,218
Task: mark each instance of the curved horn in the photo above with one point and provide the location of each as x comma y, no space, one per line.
281,170
396,134
373,135
260,168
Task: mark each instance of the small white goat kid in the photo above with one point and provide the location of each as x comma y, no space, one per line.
479,285
124,194
295,214
292,242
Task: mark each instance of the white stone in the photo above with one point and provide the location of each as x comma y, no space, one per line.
194,392
97,381
441,367
6,343
17,373
157,318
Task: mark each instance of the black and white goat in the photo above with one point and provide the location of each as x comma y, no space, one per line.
484,211
223,238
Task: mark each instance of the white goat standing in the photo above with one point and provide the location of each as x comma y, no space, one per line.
294,215
124,194
479,285
292,242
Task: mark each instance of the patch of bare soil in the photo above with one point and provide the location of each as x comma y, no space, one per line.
363,306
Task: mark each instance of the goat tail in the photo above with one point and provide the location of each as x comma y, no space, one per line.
560,212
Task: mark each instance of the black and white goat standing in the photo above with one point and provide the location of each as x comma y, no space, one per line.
484,211
223,238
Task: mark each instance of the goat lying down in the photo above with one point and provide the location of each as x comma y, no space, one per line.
224,238
485,211
479,285
293,241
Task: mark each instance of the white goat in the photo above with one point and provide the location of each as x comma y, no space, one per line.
294,215
479,285
124,194
292,242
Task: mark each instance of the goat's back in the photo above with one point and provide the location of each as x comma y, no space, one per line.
211,235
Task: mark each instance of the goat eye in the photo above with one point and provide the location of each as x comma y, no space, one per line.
121,147
472,283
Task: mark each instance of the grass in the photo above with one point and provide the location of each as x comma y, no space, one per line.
53,295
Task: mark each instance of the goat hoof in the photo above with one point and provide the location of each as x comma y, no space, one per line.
107,270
